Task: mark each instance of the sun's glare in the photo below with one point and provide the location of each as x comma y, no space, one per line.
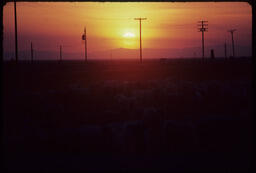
129,35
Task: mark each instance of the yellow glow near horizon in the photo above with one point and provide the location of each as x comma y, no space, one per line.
129,35
130,40
111,25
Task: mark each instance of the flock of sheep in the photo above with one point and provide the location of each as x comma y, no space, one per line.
153,130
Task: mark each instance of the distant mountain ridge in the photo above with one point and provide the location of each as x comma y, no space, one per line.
124,53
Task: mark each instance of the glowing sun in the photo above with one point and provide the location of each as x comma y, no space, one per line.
129,35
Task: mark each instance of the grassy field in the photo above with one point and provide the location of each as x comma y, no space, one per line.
125,115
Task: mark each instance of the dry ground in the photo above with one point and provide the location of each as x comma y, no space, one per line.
171,115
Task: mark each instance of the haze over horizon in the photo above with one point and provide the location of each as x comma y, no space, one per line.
169,31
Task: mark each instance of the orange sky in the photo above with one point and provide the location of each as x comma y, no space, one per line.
111,25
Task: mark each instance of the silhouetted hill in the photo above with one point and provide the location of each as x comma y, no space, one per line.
123,53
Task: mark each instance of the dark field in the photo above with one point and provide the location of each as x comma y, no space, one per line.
176,115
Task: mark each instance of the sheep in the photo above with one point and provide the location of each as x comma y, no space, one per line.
85,139
179,137
134,137
224,134
90,138
115,134
125,138
152,122
126,102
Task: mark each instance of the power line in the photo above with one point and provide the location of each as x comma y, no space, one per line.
107,18
84,37
32,53
60,53
203,28
16,37
140,36
225,50
233,47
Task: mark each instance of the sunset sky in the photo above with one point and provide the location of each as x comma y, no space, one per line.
111,25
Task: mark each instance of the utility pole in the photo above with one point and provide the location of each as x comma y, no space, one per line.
111,55
225,49
84,37
203,28
16,37
233,47
140,36
60,53
31,47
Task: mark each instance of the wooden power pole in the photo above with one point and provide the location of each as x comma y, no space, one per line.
32,53
140,36
60,53
203,28
16,37
84,37
233,46
225,50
